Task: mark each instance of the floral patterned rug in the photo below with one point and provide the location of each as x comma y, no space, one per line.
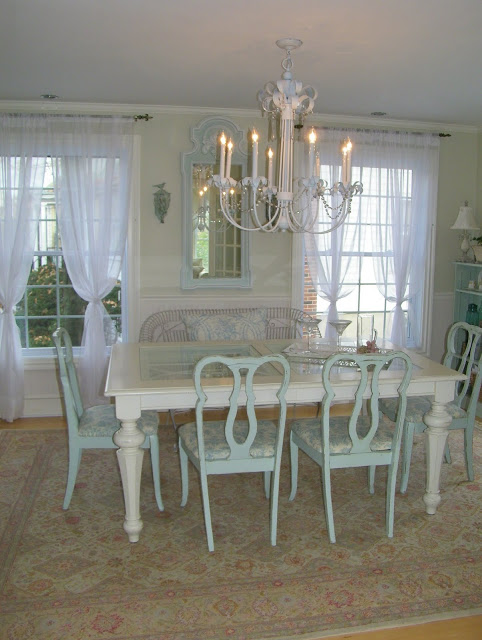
74,575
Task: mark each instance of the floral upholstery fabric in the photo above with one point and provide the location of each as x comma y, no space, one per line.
240,326
417,407
216,446
309,429
101,421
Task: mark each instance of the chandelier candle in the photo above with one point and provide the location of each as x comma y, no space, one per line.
287,205
228,159
222,157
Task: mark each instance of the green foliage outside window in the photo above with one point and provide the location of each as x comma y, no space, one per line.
50,301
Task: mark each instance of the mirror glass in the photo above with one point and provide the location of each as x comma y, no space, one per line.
215,253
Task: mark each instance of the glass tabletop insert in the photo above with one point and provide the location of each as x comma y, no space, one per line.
176,362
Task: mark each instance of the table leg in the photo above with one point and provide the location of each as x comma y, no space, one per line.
129,456
437,420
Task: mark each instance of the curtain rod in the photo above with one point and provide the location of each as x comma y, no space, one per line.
145,116
418,133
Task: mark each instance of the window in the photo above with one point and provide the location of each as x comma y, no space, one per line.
385,237
50,300
361,280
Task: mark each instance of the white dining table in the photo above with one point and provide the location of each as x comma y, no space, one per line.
159,376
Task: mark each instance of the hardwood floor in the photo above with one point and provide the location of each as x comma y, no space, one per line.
468,628
465,628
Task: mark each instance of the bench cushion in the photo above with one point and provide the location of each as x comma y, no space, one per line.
238,326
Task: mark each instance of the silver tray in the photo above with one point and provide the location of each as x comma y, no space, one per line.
319,356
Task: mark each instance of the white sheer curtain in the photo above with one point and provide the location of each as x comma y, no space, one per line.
21,181
403,222
93,172
327,264
399,172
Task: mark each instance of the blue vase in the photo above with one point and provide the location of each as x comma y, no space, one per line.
472,315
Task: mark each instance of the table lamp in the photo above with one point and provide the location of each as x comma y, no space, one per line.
465,222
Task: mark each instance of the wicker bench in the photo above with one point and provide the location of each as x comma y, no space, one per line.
168,326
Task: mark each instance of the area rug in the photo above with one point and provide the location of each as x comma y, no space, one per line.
74,575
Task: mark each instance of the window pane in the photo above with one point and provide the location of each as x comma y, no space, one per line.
41,301
70,304
40,331
44,270
74,327
22,328
371,299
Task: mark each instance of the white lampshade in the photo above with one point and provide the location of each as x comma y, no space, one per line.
465,220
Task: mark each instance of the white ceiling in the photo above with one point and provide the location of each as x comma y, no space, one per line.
417,60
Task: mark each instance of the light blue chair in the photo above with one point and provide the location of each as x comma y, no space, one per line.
93,428
463,354
231,445
362,439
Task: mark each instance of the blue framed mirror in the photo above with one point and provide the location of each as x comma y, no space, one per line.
215,253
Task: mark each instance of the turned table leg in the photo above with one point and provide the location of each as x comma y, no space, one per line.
129,456
437,421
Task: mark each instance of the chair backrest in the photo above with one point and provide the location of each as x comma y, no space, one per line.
68,377
368,368
464,345
242,394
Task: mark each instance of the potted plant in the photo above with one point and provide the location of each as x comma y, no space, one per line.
477,248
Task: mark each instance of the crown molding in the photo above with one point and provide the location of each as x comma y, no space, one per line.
30,106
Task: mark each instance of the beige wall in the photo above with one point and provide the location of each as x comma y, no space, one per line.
458,166
163,140
167,135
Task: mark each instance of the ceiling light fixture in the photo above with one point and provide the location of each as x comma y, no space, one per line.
285,206
49,96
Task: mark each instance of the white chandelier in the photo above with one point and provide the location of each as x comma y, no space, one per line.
285,206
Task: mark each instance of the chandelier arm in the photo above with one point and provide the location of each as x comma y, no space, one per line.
266,227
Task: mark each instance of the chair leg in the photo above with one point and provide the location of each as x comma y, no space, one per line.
330,523
371,478
267,483
294,467
207,511
184,474
469,456
156,474
447,456
390,498
407,446
171,415
75,455
274,503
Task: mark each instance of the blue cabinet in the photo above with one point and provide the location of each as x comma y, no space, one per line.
465,273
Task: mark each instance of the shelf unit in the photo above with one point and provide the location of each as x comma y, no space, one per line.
463,296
